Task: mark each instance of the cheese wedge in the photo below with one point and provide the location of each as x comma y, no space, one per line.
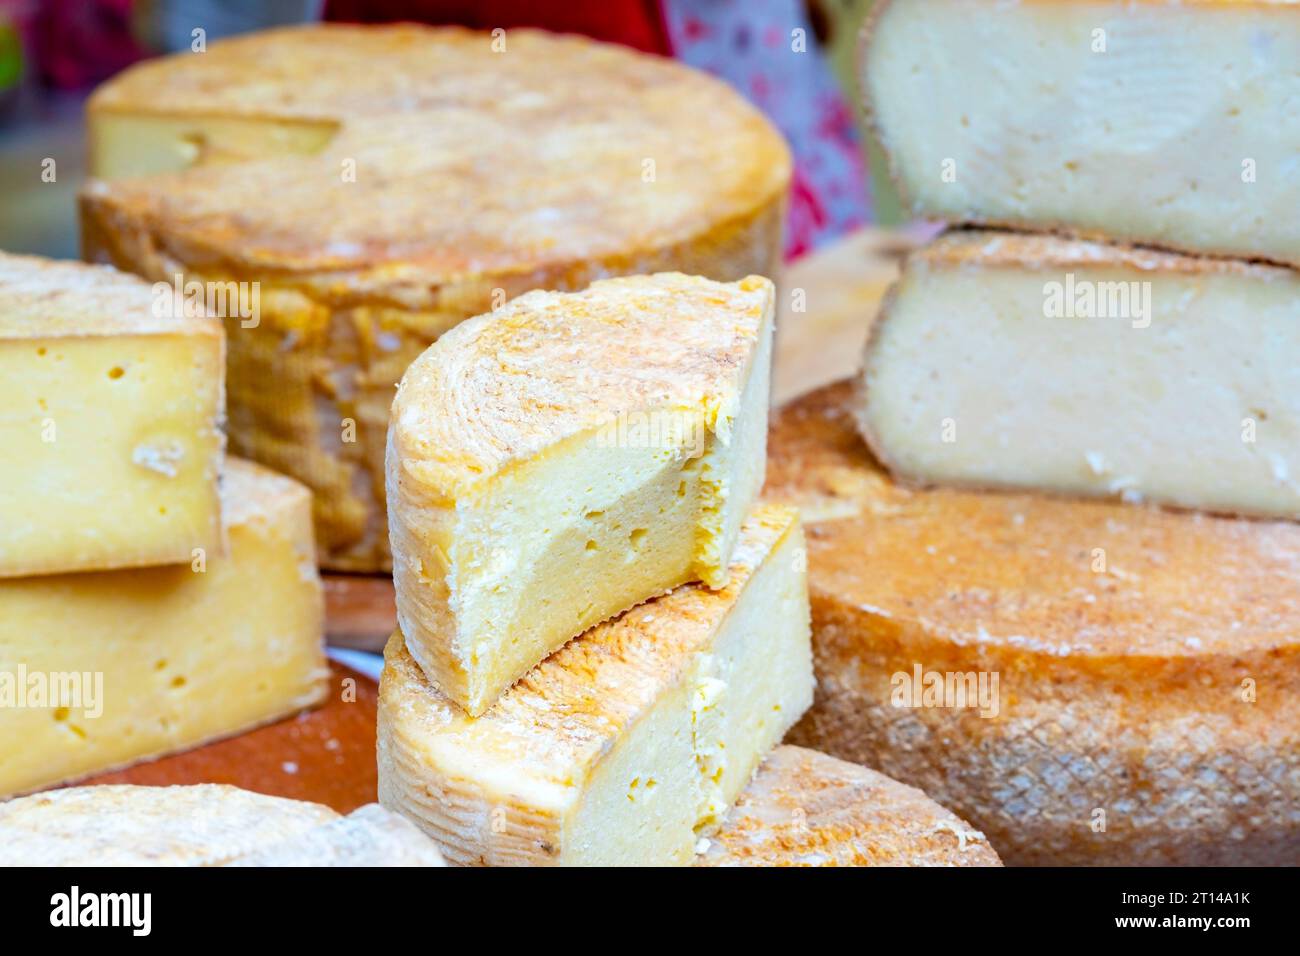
1161,122
625,746
566,457
380,184
807,809
1086,682
201,825
102,670
111,400
1007,360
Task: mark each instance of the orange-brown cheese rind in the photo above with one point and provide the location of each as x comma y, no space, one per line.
1148,662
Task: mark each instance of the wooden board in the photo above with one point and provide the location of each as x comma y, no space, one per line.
827,302
325,755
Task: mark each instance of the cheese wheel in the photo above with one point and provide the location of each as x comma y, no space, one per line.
1086,682
357,191
200,825
804,808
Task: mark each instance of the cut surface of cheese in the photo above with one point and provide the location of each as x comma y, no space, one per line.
382,184
111,401
1146,708
1162,122
568,456
804,808
1010,360
626,745
106,669
200,825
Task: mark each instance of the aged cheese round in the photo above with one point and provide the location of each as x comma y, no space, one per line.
1147,700
201,825
380,184
804,808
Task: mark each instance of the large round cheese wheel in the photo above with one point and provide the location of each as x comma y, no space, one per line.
1147,663
380,184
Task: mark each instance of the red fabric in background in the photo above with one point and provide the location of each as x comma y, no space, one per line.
635,23
80,43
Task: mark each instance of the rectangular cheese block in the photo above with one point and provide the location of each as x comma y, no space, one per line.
110,420
557,461
1160,122
106,669
1005,360
625,746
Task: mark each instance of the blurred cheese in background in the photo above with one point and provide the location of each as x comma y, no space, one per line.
1006,360
390,182
201,825
102,670
111,403
1167,123
555,462
627,744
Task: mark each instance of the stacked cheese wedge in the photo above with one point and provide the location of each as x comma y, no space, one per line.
152,595
382,184
1088,681
601,634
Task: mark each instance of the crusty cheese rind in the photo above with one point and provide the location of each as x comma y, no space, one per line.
354,288
804,808
552,375
512,786
368,836
157,660
1084,149
1152,404
112,399
1162,689
124,825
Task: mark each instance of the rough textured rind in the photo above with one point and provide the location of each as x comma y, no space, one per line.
1163,690
498,789
1125,93
804,808
478,175
200,825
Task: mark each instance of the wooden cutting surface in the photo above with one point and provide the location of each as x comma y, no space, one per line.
328,755
826,302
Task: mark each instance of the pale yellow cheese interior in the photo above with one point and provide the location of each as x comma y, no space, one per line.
112,445
493,576
1193,402
182,655
1157,122
626,745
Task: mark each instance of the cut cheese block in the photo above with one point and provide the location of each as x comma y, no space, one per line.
385,183
1008,360
625,746
804,808
1147,663
101,670
111,399
201,825
1160,122
568,456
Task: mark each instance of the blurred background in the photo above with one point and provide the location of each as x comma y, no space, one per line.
54,52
